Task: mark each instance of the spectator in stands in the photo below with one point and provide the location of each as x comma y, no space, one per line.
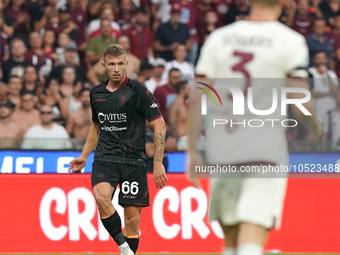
178,114
83,5
165,95
9,130
95,6
205,36
47,135
37,56
210,18
20,18
318,41
156,79
6,22
97,45
288,13
125,14
187,69
143,4
160,12
26,116
132,68
4,55
68,81
97,73
79,122
71,58
336,62
324,85
53,22
16,64
188,17
221,7
14,87
170,34
63,40
79,17
49,43
73,102
140,35
94,26
238,11
170,146
66,24
332,124
203,6
303,20
31,82
334,34
42,17
55,99
329,9
145,72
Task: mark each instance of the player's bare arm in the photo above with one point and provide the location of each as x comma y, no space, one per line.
91,141
158,125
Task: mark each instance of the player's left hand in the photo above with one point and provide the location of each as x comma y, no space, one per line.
159,175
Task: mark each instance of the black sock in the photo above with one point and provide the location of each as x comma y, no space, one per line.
113,225
133,243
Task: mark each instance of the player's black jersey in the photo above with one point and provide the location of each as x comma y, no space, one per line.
121,115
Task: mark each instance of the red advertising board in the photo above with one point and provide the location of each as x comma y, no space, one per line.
57,213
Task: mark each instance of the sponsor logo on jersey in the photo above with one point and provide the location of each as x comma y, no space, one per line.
153,105
112,117
113,128
100,100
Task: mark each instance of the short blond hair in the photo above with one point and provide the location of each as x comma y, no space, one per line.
114,50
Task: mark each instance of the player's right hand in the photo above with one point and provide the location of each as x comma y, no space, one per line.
77,165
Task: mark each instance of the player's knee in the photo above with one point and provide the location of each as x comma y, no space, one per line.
103,202
132,222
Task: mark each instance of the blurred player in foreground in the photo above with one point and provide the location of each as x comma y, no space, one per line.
120,107
259,48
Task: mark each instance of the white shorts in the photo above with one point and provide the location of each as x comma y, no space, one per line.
253,200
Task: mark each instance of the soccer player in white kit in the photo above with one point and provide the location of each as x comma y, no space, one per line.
260,47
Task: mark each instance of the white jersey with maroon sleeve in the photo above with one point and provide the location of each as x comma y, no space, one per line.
263,54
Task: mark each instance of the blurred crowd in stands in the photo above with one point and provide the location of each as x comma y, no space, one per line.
51,54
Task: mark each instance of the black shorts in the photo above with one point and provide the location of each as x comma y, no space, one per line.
132,180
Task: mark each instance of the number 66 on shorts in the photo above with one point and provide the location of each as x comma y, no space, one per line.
132,180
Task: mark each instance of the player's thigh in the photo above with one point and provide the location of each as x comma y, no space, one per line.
261,201
133,185
104,180
224,199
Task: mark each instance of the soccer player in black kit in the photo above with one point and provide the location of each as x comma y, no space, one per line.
120,107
